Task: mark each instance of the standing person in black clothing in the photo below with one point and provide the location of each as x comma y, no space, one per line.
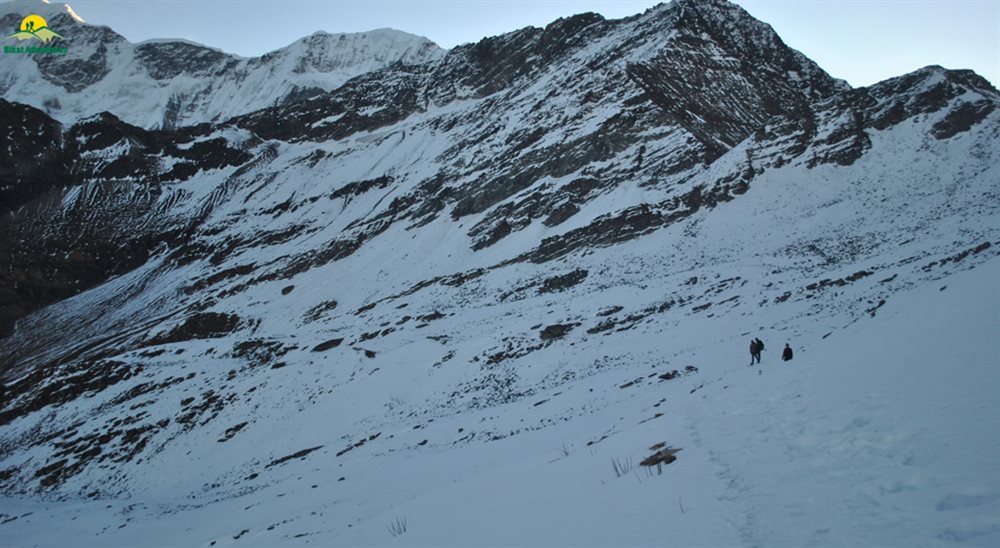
756,346
787,354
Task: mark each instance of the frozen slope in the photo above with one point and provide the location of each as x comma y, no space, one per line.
881,431
881,434
460,294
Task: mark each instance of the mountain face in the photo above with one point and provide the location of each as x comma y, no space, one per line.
412,279
169,83
595,75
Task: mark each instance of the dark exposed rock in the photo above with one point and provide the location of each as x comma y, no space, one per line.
850,141
611,310
201,412
958,256
560,214
839,282
609,229
561,283
317,311
556,331
297,455
631,320
512,348
358,188
358,443
962,118
259,352
32,158
366,103
166,60
232,431
332,343
144,388
222,275
55,385
203,325
51,249
431,317
673,374
848,117
501,230
858,275
497,62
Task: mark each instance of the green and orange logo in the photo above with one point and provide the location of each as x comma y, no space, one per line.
34,27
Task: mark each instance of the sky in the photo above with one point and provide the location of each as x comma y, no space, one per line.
861,41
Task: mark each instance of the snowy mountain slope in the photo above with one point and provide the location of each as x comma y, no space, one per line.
170,83
926,472
460,310
753,445
568,83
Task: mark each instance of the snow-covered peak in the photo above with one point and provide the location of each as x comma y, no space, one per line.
933,75
43,8
164,83
357,52
182,41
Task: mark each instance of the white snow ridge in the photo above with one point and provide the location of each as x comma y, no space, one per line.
364,292
171,82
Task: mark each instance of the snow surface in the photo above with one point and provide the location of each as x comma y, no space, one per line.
883,434
882,431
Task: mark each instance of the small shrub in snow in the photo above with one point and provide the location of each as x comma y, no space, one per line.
397,526
621,466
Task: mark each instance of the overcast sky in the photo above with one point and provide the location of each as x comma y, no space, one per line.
861,41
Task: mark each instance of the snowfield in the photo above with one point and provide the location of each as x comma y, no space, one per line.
459,303
883,433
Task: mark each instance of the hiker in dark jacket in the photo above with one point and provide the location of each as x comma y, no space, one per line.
756,346
787,354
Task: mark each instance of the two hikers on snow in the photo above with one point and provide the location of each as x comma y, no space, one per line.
757,346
